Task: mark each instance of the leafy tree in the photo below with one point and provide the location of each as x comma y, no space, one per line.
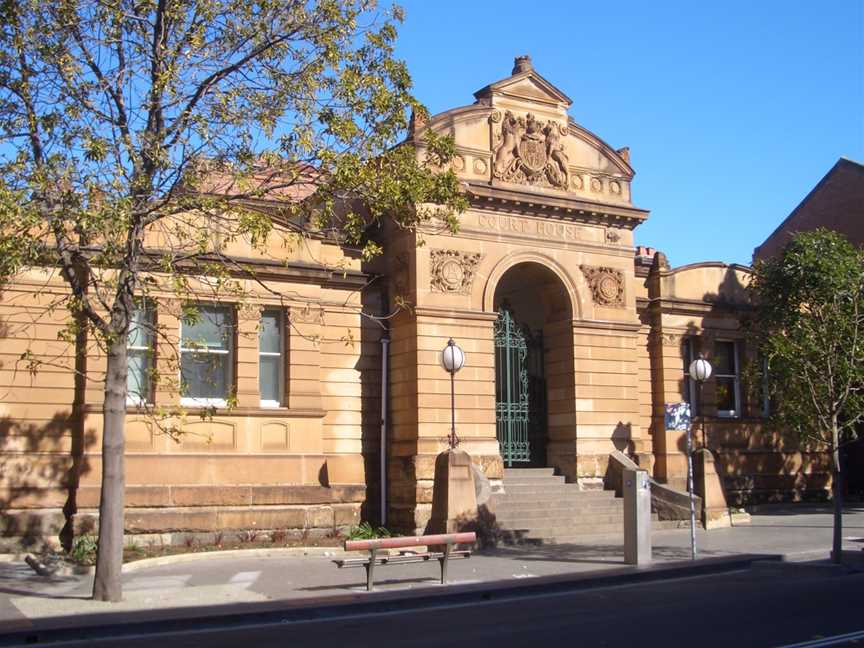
125,123
808,325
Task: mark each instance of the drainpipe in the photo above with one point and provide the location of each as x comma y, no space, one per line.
385,352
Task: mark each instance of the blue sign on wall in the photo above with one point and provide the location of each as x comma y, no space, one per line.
678,416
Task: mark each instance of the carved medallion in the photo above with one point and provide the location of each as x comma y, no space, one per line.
458,163
531,152
596,185
615,187
576,182
479,166
453,271
612,236
607,285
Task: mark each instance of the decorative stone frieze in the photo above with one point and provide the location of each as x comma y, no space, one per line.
607,285
307,314
453,271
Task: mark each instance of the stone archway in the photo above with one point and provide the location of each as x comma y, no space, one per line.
534,368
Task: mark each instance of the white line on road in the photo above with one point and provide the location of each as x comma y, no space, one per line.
828,641
245,577
157,582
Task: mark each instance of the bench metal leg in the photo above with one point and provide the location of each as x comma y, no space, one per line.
370,569
444,562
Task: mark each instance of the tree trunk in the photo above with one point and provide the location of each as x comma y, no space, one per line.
109,558
837,545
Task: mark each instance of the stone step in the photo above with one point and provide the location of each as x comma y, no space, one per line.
534,479
552,512
528,471
559,492
516,520
539,487
555,508
583,539
543,532
568,521
613,538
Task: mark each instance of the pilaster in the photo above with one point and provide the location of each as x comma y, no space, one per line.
248,319
304,356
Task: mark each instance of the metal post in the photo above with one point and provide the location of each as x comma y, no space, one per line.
701,413
444,560
453,440
385,346
637,516
690,489
370,569
451,365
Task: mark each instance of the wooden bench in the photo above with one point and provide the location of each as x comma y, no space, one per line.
447,540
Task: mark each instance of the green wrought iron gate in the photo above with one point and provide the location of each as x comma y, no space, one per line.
520,392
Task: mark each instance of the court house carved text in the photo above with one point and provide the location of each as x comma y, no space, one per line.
539,228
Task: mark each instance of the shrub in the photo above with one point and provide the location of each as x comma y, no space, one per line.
365,531
83,550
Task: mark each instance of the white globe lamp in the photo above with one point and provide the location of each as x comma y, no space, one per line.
452,359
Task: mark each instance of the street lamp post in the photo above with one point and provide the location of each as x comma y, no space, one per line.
700,371
452,359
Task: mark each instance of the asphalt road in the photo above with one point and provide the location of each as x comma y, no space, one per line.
748,608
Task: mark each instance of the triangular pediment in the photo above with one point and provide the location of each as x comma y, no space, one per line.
527,85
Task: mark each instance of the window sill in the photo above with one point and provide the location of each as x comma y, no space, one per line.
275,412
286,412
203,403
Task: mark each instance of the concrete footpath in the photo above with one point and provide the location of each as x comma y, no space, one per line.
190,584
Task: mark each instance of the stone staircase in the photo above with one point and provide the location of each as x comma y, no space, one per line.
538,507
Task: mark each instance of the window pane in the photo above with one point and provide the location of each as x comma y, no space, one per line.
209,330
269,379
138,376
725,394
724,358
140,328
205,375
687,354
269,334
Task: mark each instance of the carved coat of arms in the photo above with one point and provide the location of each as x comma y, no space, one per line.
531,152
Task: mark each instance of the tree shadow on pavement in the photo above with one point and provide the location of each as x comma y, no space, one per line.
599,554
19,580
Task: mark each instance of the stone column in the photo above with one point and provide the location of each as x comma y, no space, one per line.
304,354
168,352
246,359
606,376
420,398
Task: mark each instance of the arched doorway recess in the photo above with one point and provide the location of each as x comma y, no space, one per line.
534,395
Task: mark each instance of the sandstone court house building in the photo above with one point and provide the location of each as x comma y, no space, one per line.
576,338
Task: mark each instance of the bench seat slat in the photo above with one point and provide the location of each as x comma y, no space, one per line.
411,541
396,560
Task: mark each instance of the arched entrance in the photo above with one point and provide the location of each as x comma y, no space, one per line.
533,363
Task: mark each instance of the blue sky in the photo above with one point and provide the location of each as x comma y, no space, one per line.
732,110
